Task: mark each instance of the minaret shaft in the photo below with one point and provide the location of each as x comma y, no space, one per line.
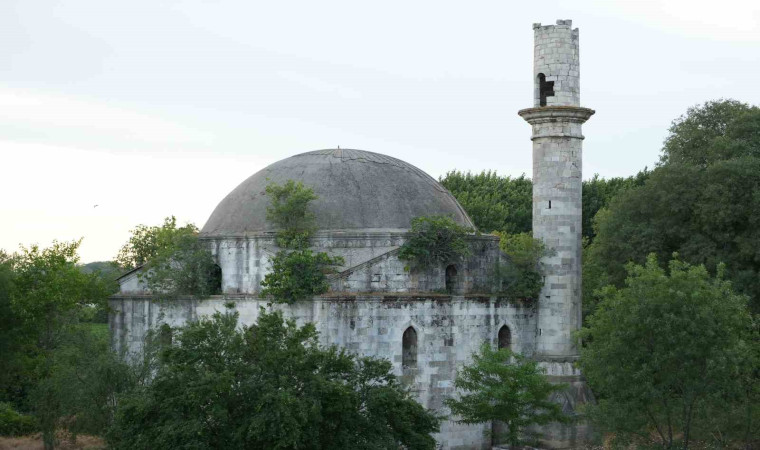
557,138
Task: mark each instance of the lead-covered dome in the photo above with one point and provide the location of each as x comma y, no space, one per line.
358,190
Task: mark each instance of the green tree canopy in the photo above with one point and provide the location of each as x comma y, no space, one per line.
44,295
716,131
147,242
494,203
504,204
672,353
272,387
503,386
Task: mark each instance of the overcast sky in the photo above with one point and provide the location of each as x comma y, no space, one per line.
153,108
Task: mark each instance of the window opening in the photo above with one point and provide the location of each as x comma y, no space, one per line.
409,349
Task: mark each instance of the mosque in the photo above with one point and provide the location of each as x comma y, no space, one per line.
427,322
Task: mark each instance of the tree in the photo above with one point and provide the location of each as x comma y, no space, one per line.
505,204
147,242
175,261
493,203
46,295
716,131
271,387
668,350
503,386
434,240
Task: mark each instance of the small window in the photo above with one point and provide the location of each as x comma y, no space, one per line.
215,280
545,89
451,278
505,338
409,349
165,335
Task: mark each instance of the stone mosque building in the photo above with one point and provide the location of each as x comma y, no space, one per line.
426,322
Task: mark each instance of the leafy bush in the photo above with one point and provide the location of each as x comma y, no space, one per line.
297,275
523,277
13,423
185,267
288,209
435,240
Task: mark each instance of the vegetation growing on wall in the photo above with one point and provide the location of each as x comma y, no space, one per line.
175,262
289,210
434,240
297,273
503,386
523,276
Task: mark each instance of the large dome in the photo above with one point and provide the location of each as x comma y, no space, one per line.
357,190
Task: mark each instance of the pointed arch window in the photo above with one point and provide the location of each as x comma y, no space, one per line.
409,349
505,338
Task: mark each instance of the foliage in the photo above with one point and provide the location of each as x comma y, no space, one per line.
175,261
146,242
718,130
435,240
523,276
504,204
187,267
707,215
493,203
503,386
288,209
13,423
43,296
599,192
273,387
669,350
297,275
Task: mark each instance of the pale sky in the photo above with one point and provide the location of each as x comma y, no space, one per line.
154,108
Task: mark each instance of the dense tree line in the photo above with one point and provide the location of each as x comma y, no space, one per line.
504,204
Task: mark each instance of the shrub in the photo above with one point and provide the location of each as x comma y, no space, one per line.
13,423
435,240
523,277
297,275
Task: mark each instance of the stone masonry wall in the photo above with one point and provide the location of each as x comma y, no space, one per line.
449,329
556,56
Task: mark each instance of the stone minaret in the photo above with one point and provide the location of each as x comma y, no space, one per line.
556,119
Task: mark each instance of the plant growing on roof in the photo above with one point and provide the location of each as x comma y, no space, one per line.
435,240
297,272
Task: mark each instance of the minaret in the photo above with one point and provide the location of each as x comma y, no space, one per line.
556,119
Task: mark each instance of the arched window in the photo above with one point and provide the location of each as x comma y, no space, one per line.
409,349
215,279
505,338
451,278
165,335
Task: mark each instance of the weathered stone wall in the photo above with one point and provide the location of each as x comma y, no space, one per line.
556,56
370,264
449,329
